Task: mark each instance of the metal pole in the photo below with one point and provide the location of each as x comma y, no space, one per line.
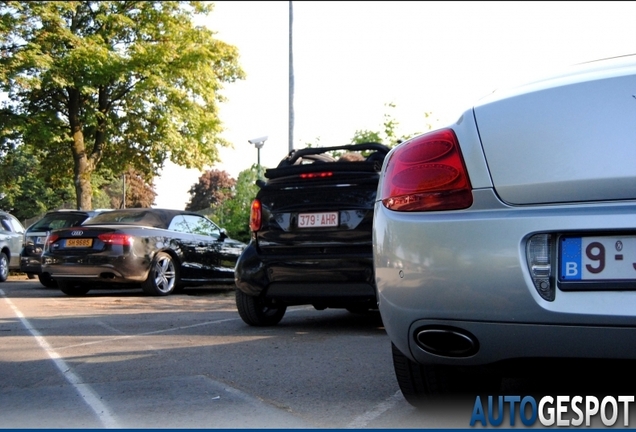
291,81
123,203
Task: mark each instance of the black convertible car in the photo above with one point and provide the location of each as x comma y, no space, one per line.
162,250
311,234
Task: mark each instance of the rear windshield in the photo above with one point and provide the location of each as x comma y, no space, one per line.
349,159
60,220
132,217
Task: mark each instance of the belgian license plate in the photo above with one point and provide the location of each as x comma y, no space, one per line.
597,258
80,242
316,220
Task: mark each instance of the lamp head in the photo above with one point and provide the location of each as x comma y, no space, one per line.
258,142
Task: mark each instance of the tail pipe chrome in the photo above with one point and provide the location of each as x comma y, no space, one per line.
446,341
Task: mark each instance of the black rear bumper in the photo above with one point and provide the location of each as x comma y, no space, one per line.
325,279
30,264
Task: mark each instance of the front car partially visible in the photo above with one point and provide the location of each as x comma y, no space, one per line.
511,234
11,233
35,235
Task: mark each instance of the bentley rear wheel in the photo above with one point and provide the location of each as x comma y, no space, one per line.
423,383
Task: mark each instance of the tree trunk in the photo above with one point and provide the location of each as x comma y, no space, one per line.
82,168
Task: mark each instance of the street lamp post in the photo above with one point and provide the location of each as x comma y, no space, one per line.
258,143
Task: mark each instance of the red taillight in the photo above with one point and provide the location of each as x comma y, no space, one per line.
51,239
427,173
255,215
116,239
316,175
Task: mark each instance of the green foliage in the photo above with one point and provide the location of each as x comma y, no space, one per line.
112,85
236,211
362,136
26,190
228,206
389,133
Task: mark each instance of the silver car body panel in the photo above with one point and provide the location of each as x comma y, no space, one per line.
11,240
425,274
467,268
528,130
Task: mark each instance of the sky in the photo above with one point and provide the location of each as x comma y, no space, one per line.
351,60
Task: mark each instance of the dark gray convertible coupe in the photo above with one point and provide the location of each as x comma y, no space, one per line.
162,250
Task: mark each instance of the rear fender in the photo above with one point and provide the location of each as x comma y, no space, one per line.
250,274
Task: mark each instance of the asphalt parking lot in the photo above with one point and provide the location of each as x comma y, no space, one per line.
126,360
121,359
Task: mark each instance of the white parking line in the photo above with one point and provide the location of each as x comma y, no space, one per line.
89,396
363,420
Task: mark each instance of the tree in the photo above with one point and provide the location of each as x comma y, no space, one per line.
226,201
26,191
389,135
234,214
139,192
213,188
103,86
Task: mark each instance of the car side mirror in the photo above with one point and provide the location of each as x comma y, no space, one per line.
223,235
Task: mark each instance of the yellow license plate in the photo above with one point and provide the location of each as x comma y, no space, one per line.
83,242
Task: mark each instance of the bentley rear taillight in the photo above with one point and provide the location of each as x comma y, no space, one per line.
255,215
427,173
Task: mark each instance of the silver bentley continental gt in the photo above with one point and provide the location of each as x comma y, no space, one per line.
509,237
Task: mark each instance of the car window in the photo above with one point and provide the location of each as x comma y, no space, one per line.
179,224
202,226
17,226
11,224
4,221
140,217
56,221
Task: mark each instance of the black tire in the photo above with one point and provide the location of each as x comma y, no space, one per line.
73,289
4,266
163,276
45,279
258,311
422,383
